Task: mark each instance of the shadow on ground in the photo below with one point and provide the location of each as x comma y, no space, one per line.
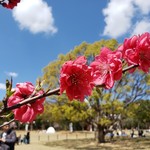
119,143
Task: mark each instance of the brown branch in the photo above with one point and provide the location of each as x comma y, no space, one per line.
123,71
30,100
7,123
48,93
129,68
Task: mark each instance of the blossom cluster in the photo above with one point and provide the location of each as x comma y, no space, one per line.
78,79
26,113
136,51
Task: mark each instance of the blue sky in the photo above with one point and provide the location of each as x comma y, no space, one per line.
37,31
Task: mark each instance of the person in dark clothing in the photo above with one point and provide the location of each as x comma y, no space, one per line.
111,135
28,137
4,147
5,128
140,133
132,132
10,138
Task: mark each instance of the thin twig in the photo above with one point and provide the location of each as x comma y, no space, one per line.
7,123
129,68
123,71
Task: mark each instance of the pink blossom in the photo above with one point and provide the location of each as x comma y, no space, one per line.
26,113
10,4
144,52
107,67
136,51
76,79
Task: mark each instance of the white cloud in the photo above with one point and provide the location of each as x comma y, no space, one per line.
35,16
122,17
12,74
141,27
118,15
2,86
144,6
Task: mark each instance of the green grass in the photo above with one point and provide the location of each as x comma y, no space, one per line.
116,144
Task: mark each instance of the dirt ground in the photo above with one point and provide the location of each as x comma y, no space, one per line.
39,140
33,146
81,141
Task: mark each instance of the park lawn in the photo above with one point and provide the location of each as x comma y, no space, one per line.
116,144
82,141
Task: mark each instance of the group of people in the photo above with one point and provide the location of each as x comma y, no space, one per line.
140,133
8,136
26,138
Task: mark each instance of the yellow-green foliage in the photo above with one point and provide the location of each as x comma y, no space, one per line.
104,121
148,79
95,48
51,72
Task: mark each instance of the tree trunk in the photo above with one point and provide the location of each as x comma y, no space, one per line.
101,134
31,126
43,126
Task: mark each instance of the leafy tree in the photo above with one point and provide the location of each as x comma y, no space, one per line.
143,113
139,113
51,72
106,108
